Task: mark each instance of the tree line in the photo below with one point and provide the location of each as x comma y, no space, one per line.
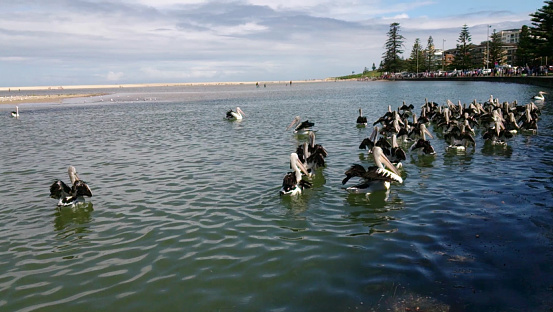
534,47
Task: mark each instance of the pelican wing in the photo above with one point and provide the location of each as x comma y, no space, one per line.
375,173
362,119
316,161
305,125
80,188
58,189
366,143
289,181
398,153
355,170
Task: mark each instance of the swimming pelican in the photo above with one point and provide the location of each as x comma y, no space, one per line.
459,139
303,127
375,178
497,135
361,120
15,114
422,145
397,154
238,115
370,141
540,96
69,196
293,184
317,154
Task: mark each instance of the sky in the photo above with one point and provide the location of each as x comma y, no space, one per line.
84,42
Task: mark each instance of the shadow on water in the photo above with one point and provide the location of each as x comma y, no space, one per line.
496,150
373,210
71,225
296,204
454,158
423,160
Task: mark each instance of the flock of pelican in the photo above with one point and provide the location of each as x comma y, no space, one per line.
456,123
305,162
497,122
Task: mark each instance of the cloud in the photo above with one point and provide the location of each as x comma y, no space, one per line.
114,76
173,40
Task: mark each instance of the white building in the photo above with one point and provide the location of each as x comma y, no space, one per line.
510,35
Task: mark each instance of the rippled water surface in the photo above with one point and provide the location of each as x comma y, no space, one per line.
186,216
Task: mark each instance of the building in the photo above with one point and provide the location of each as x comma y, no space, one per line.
510,36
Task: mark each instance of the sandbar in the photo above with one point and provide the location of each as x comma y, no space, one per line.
49,98
13,96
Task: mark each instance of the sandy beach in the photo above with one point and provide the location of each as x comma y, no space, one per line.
145,85
13,98
51,98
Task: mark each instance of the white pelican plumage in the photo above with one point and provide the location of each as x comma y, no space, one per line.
540,96
15,114
235,115
69,196
303,127
375,178
293,184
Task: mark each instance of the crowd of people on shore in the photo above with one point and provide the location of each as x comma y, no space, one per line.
498,71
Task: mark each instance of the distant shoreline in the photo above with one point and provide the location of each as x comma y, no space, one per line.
12,94
49,98
146,85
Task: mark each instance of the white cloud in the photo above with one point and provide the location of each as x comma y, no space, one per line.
173,40
114,76
397,17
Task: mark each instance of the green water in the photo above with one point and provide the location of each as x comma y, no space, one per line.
186,215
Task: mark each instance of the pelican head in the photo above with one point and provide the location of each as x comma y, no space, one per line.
241,112
294,122
425,131
72,172
297,166
382,161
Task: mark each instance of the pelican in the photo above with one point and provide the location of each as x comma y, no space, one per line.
370,141
361,120
375,178
293,184
540,96
497,135
69,196
238,115
15,114
459,140
422,143
397,154
303,127
317,154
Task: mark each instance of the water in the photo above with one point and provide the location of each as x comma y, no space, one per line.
186,216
